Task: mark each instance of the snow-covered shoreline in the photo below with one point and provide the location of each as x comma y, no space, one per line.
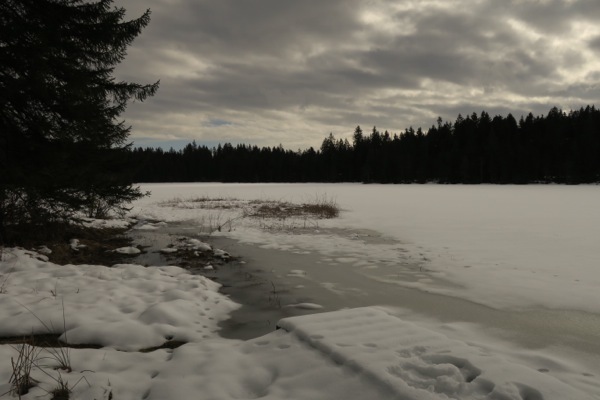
354,354
368,352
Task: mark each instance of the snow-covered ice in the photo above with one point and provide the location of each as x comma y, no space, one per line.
537,244
306,306
531,249
504,247
220,253
416,363
192,244
128,250
75,245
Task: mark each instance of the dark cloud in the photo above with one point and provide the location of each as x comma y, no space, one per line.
290,72
594,43
553,16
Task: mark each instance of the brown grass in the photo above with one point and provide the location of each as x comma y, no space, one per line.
21,380
205,202
318,210
321,207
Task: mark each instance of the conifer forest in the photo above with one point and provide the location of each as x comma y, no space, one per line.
559,147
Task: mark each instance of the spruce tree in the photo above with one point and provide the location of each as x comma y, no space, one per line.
62,144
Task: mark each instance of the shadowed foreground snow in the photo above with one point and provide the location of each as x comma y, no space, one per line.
352,354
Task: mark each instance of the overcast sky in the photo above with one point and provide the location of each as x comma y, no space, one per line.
288,72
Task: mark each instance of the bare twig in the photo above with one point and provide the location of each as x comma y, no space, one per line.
274,296
20,379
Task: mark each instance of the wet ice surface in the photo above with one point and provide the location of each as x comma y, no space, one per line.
271,283
265,298
334,285
306,278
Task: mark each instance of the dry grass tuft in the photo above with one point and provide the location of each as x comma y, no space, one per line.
203,202
62,391
20,379
321,207
273,214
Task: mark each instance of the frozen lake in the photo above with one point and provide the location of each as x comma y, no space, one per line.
505,246
519,264
414,292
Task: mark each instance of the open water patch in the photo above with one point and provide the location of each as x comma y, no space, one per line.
263,298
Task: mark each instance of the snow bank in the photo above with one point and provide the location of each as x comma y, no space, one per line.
415,363
126,307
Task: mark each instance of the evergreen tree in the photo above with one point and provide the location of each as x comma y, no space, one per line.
62,144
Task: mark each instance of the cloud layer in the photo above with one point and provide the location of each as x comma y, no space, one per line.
283,71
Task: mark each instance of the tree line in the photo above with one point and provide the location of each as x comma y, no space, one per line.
559,147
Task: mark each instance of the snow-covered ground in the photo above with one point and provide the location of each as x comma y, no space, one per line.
513,248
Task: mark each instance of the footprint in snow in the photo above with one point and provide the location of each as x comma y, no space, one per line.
415,351
442,374
468,370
